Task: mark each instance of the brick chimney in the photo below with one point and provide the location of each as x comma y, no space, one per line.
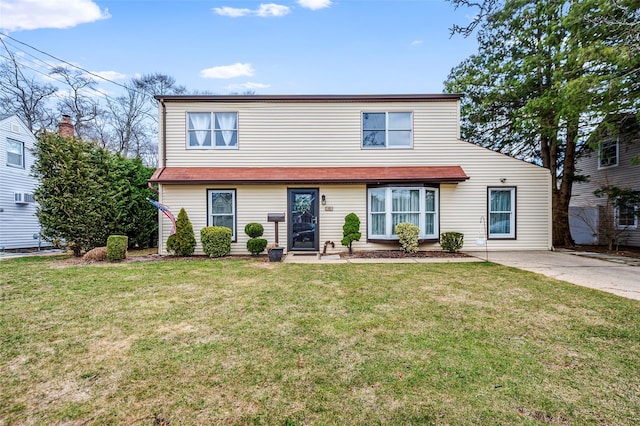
65,127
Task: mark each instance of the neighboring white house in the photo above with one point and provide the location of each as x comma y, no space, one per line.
593,220
313,159
19,227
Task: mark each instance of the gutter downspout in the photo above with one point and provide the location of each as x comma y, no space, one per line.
163,162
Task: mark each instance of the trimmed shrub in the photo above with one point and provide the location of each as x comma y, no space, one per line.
256,245
408,234
117,247
351,230
451,241
216,240
183,242
254,230
98,254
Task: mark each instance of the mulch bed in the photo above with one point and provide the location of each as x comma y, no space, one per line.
398,254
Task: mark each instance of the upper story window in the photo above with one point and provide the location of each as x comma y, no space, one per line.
387,130
212,130
502,213
15,153
389,206
608,153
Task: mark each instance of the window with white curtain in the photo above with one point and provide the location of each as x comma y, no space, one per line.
212,130
389,206
387,130
222,209
15,153
502,213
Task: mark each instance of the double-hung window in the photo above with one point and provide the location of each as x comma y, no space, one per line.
212,130
389,206
15,153
626,216
222,209
608,153
387,130
502,213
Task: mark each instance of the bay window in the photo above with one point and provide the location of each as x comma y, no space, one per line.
212,130
502,213
222,209
389,206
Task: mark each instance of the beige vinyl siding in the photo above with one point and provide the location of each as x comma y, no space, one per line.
308,134
329,134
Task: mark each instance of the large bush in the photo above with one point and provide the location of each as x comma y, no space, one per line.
351,230
408,234
86,193
216,240
183,242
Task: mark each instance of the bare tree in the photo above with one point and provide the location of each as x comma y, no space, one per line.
23,95
81,103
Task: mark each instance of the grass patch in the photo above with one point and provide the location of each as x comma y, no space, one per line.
235,342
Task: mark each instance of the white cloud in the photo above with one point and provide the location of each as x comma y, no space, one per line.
314,4
232,12
272,9
416,42
228,71
110,75
266,10
18,15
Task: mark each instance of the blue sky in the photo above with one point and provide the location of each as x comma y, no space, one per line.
271,47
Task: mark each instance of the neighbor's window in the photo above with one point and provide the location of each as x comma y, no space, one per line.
608,153
502,212
222,209
626,216
389,206
387,130
212,130
15,153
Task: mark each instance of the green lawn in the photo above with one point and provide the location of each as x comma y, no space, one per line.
251,342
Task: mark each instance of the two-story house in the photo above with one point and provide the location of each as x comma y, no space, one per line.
232,160
19,227
612,162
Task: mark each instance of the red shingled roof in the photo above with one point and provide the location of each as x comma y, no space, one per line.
306,175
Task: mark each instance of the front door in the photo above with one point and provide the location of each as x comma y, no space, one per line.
303,219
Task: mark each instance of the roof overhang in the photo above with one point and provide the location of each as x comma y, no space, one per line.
439,97
308,175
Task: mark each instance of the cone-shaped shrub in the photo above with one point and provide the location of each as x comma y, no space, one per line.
183,242
351,230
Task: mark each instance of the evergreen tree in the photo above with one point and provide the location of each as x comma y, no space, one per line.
183,242
542,80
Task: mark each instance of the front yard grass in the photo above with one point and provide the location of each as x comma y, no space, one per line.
249,342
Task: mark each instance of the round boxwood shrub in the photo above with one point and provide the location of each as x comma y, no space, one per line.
254,230
256,245
117,247
216,240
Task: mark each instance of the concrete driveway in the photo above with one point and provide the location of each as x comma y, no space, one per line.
612,275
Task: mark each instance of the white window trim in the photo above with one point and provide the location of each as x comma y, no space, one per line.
17,166
211,131
512,219
210,214
624,227
615,141
386,130
390,232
